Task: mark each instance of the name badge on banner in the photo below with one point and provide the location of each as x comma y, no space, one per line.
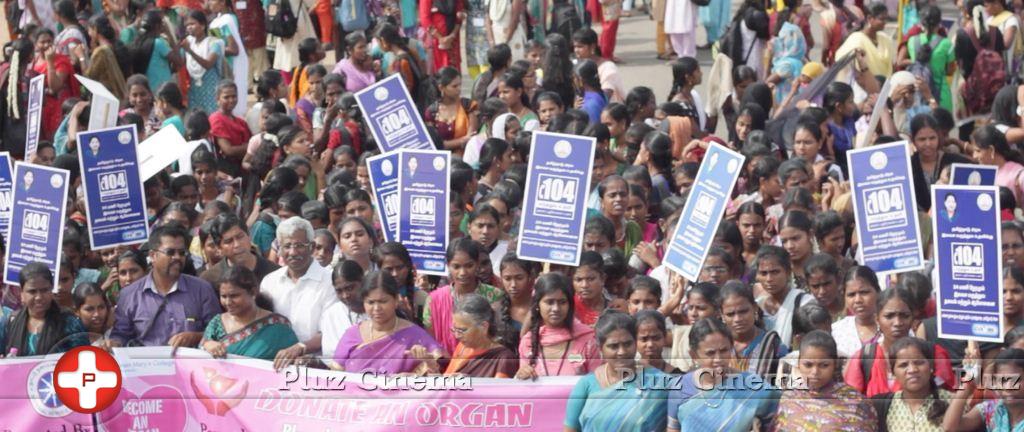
703,211
423,186
972,175
115,201
554,201
885,208
37,219
383,171
35,115
6,190
392,116
968,259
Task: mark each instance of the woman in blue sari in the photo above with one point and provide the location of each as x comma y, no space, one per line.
245,329
789,49
715,397
611,398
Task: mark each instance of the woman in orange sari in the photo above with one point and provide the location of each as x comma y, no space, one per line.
479,354
451,115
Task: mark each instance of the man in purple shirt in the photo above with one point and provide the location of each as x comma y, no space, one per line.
166,307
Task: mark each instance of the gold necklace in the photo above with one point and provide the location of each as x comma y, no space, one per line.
385,333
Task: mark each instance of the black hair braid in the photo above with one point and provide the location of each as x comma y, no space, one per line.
508,335
938,409
535,322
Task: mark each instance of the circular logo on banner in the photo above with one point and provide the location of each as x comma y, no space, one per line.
41,392
87,379
879,160
563,149
974,179
387,168
56,181
732,166
124,137
439,163
985,202
380,93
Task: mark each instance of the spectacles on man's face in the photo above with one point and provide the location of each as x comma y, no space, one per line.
297,247
174,252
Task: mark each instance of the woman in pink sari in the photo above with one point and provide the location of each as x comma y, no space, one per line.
556,344
385,343
463,258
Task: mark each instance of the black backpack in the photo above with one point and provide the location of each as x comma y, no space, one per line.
280,19
424,90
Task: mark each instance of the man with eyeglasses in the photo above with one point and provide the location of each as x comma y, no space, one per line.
232,238
166,307
301,290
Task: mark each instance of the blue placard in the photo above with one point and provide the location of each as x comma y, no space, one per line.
972,175
392,116
35,115
423,182
969,262
554,201
37,219
703,211
6,190
383,171
115,202
885,208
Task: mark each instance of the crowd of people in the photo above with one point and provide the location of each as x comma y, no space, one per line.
265,241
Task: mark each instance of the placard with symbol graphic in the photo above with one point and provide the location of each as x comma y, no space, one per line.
6,191
554,200
885,208
392,116
383,172
423,183
703,211
968,261
115,201
972,175
37,219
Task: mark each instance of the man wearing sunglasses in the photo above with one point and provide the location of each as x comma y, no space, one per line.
166,307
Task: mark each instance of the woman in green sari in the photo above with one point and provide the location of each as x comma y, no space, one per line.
245,329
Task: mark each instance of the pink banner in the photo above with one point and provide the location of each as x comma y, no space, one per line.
28,402
201,394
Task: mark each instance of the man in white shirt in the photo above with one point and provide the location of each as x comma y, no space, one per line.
301,291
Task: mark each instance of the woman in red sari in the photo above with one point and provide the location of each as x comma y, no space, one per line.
59,84
231,133
442,19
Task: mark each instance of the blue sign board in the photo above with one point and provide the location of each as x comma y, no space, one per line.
115,201
555,197
37,219
35,115
885,208
969,262
392,116
6,190
383,170
972,175
423,183
703,211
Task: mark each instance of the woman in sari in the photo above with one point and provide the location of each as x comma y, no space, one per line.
715,396
245,329
104,61
824,402
602,400
463,257
757,350
876,47
788,50
479,353
453,116
555,344
386,343
441,20
204,57
60,82
40,327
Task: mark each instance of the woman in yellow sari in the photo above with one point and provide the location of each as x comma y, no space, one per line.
878,47
451,115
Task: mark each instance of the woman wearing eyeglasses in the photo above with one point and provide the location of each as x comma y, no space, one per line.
479,353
